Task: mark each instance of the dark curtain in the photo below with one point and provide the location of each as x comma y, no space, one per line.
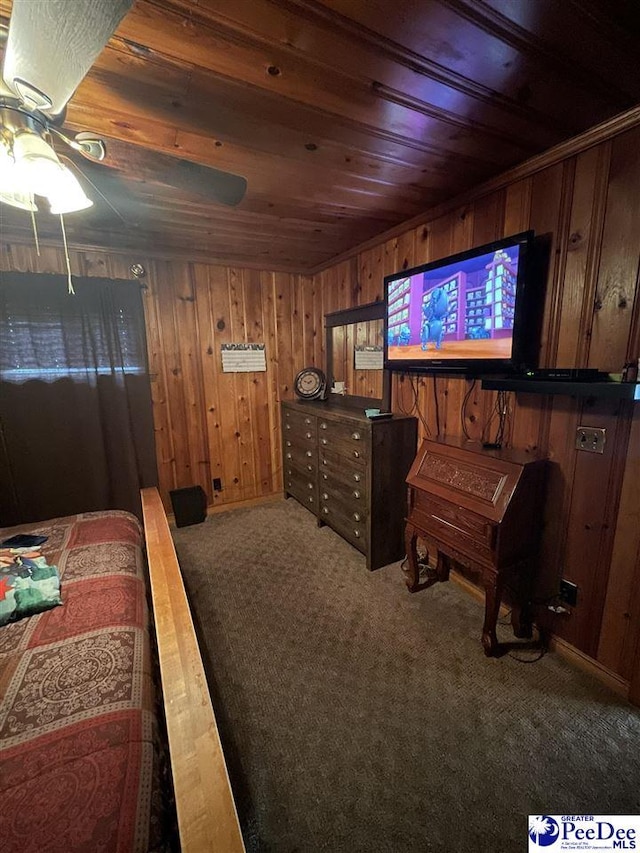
76,427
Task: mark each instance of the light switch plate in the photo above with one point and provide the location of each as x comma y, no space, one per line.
591,439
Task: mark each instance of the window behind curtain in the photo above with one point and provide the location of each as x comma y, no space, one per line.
47,334
76,430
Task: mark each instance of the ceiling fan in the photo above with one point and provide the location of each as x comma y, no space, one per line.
50,47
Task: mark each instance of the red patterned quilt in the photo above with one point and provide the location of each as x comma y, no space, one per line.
81,761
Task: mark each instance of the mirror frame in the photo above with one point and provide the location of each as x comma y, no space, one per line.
348,317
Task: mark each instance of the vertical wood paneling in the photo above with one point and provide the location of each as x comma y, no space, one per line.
517,207
583,253
550,206
206,319
620,633
159,387
618,272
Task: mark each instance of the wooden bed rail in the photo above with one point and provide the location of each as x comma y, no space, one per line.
207,817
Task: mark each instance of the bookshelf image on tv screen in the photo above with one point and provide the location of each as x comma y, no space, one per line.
462,310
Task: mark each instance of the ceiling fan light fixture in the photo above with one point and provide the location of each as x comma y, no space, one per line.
39,172
38,169
10,192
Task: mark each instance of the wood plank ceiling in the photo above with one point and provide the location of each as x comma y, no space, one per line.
346,117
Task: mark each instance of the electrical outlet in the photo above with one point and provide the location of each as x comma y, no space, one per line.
591,439
217,484
568,593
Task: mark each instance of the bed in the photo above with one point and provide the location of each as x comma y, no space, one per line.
82,759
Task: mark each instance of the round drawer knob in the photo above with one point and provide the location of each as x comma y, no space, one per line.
356,493
310,500
289,456
357,478
309,485
323,425
309,467
356,516
289,471
288,482
324,441
325,496
356,454
355,436
325,476
324,461
287,426
356,533
288,444
325,510
308,435
307,420
309,453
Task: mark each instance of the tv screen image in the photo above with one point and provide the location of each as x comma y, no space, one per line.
458,312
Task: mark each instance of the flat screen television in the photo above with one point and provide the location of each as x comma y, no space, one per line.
468,313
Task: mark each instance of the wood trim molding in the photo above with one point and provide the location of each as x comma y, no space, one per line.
150,253
590,666
594,136
207,817
561,647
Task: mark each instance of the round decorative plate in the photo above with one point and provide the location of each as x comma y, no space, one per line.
310,384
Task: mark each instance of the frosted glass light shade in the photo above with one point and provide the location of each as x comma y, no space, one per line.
39,172
10,192
69,195
37,167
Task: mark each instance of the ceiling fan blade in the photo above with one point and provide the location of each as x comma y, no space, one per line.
51,46
207,182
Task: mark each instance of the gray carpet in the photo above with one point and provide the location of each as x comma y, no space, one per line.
357,717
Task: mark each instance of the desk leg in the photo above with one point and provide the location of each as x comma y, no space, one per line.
493,585
521,613
412,572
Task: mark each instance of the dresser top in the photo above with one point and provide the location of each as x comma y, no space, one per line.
330,408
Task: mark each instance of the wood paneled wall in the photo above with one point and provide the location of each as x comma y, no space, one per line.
210,424
589,207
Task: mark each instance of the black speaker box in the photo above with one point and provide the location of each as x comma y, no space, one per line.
189,505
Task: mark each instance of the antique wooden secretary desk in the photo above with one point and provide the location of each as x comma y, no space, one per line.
481,509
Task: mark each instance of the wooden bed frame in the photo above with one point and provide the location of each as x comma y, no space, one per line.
207,816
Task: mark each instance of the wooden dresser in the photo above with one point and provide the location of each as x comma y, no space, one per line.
350,472
481,509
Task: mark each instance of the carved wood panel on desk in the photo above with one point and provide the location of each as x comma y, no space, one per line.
350,472
482,509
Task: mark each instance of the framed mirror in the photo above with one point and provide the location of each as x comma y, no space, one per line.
354,352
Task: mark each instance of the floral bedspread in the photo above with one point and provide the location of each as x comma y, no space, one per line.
81,760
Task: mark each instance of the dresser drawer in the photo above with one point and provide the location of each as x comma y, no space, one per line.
301,487
299,457
352,504
349,440
300,434
297,420
303,466
342,522
350,473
